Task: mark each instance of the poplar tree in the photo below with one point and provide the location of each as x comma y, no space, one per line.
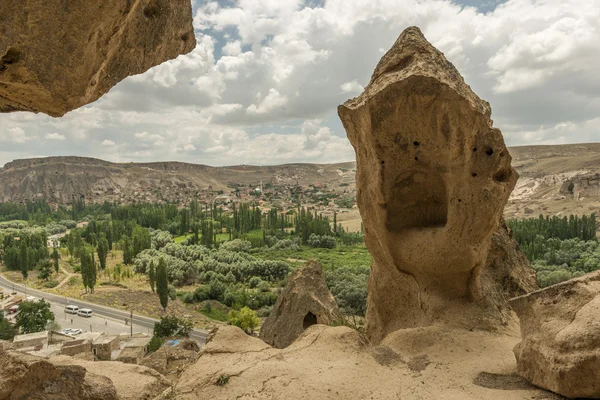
152,275
102,250
55,257
162,285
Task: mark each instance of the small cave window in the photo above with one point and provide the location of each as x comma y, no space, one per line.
309,319
419,199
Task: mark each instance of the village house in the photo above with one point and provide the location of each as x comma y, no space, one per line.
31,341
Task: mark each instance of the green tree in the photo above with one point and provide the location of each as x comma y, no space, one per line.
45,267
23,259
71,243
7,331
127,251
171,326
102,250
246,319
152,275
88,269
55,257
162,284
33,316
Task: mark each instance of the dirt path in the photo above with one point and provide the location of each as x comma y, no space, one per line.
68,276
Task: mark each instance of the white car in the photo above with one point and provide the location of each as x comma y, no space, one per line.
85,312
71,331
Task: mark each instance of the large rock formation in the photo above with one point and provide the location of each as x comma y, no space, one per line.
56,56
560,327
433,176
27,377
305,301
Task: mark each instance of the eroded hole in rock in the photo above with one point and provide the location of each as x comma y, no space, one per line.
398,66
416,143
309,319
474,174
151,11
419,200
489,151
502,175
185,37
12,56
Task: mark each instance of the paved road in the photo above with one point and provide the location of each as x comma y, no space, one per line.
141,323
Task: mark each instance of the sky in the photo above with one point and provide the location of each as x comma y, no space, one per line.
263,84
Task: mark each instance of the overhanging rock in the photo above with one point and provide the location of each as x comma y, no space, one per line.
56,56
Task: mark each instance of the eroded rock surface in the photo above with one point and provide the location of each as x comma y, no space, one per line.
338,363
433,176
305,301
28,377
507,272
560,327
131,382
56,56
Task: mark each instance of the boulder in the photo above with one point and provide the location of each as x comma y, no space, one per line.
433,177
560,330
56,56
23,376
305,301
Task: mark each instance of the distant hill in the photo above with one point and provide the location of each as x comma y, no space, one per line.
558,179
60,179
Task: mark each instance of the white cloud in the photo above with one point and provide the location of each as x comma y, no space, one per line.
352,87
17,135
232,48
54,136
107,142
189,147
272,101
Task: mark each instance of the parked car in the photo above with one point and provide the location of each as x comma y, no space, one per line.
71,331
71,309
13,309
84,312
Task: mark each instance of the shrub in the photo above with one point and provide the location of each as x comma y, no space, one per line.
222,380
246,319
155,343
172,326
326,242
172,293
188,297
254,282
202,293
50,284
236,245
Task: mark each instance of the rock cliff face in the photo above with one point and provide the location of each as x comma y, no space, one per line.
304,302
56,56
433,176
560,327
